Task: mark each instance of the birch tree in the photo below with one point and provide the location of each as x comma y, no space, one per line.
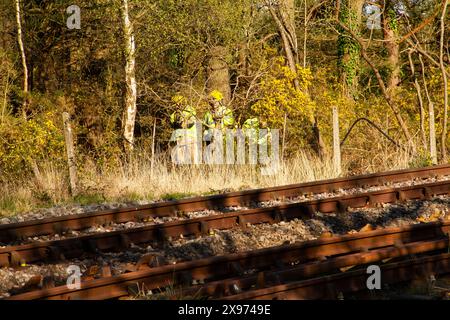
129,116
431,118
22,54
445,81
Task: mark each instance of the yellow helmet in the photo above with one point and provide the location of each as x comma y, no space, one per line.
216,95
178,99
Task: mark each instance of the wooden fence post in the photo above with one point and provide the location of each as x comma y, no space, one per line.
70,154
433,147
336,142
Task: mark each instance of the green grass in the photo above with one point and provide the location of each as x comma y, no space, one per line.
420,161
87,199
176,196
7,204
134,196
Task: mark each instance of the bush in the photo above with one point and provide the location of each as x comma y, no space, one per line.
25,142
279,97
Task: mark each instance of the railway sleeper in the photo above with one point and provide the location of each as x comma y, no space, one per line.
15,259
54,254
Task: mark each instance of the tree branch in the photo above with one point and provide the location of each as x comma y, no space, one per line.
381,83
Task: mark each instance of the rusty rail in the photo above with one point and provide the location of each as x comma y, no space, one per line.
304,259
17,231
119,240
328,287
273,278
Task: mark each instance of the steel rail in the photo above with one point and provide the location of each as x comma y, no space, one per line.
328,287
435,235
122,239
253,285
58,225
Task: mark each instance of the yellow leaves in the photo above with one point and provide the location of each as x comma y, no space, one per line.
178,99
279,96
23,141
288,73
216,95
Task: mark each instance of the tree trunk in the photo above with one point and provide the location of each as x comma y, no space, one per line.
305,30
219,73
381,82
129,116
23,57
445,84
350,14
286,27
319,145
431,120
420,101
243,59
287,14
336,142
390,33
433,148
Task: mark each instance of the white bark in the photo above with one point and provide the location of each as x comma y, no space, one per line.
22,50
444,76
433,148
130,79
305,37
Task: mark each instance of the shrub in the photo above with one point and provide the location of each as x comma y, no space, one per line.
24,142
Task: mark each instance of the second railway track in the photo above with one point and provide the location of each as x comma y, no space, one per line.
220,281
262,271
121,240
62,224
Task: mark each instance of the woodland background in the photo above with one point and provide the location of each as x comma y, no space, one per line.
287,62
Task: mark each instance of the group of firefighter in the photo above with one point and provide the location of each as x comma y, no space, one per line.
219,118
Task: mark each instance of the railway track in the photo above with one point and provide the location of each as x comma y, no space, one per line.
259,273
227,276
59,225
121,240
329,287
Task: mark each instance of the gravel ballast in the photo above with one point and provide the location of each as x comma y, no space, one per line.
238,240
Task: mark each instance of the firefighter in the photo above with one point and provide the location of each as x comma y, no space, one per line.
251,127
184,116
220,117
217,120
184,120
257,139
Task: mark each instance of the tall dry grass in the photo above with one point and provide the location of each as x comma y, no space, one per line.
142,180
48,186
360,160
